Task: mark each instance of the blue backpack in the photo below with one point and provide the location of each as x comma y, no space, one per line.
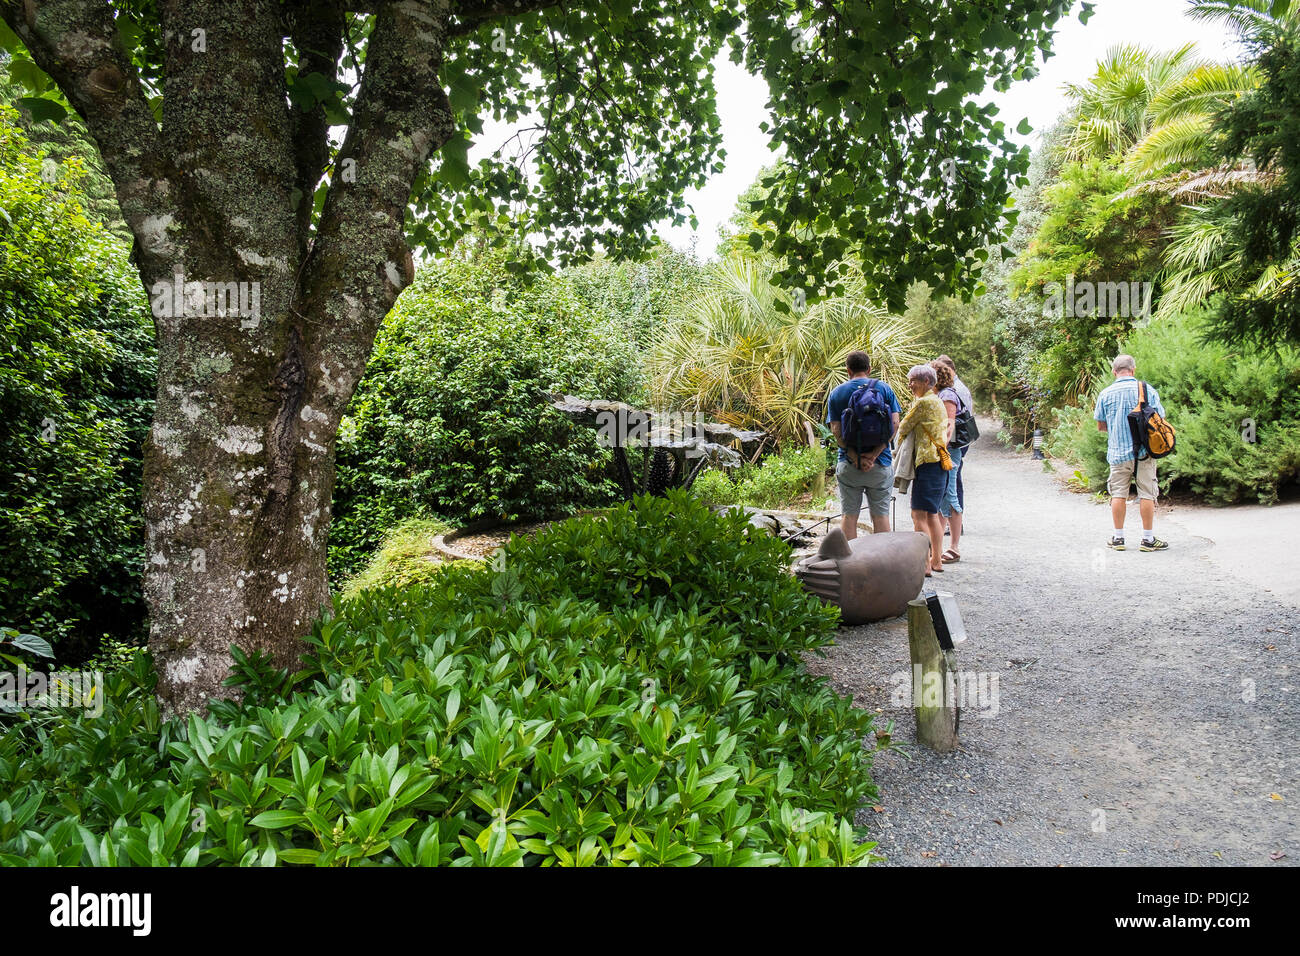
866,423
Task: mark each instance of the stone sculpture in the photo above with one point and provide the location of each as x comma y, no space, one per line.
869,579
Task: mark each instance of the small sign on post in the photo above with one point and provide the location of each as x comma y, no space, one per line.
948,626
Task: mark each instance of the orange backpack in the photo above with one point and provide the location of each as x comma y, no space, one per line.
1149,428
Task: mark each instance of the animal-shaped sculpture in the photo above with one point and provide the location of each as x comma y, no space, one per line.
870,578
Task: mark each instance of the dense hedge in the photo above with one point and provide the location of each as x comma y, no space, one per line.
450,418
626,691
76,396
1212,394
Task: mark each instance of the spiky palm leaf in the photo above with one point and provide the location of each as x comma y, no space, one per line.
1113,110
1197,186
1181,116
735,356
1204,259
1153,109
1249,18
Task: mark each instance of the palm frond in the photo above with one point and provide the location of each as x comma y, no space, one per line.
1249,18
734,353
1177,143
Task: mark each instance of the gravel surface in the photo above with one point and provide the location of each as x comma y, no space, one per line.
1146,709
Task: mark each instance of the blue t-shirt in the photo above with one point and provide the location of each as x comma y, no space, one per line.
839,400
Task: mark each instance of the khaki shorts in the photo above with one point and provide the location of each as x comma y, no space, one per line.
1121,477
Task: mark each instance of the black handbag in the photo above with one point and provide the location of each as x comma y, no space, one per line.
966,431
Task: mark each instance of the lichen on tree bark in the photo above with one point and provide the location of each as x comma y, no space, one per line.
239,465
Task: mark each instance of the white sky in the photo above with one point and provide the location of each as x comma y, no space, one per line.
1159,24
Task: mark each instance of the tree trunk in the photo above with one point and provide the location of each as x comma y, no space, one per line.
264,320
239,472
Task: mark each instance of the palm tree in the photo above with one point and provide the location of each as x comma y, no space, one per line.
1150,110
1250,19
1203,257
739,358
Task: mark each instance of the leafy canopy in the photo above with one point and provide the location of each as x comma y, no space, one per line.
873,105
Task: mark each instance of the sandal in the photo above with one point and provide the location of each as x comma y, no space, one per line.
950,557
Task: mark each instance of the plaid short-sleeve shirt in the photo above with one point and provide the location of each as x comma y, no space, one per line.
1113,405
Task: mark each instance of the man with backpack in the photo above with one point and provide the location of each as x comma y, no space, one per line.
1129,461
863,415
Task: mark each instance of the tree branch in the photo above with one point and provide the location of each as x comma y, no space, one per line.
76,43
360,261
316,28
227,119
474,13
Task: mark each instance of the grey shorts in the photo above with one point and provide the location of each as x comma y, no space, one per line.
877,484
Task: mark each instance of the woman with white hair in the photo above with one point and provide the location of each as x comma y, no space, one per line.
928,418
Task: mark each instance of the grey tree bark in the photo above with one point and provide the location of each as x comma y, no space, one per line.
239,466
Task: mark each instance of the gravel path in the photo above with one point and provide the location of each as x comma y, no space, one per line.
1123,730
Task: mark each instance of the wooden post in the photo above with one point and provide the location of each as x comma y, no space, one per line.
934,675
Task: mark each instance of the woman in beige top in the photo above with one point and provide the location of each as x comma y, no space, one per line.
930,420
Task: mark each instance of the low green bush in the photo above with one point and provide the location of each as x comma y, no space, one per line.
625,690
1076,440
775,482
716,487
1217,398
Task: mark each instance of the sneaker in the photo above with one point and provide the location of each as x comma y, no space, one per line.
1116,543
1155,544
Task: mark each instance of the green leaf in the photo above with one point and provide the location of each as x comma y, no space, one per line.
9,41
298,855
26,73
277,819
43,109
32,644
